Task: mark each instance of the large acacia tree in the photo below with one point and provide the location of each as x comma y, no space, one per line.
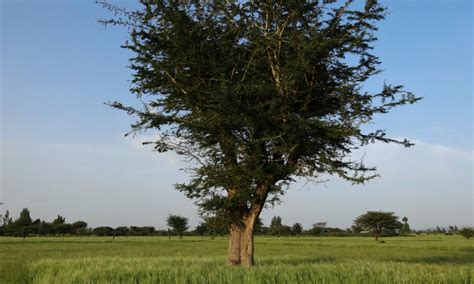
256,93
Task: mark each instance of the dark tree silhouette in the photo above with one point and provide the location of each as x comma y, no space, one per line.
377,222
178,224
467,232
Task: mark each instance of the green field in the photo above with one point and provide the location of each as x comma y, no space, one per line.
417,259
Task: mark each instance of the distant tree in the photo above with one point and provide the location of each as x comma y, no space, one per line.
257,93
24,220
34,227
467,232
378,222
64,229
122,231
296,229
142,231
45,228
277,228
356,229
215,224
59,225
79,228
5,229
6,219
201,229
103,231
405,227
178,224
320,224
149,230
59,220
260,229
56,224
317,229
23,223
440,230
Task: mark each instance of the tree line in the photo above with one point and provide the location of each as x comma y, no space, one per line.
373,223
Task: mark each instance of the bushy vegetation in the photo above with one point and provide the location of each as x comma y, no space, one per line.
415,259
467,232
213,226
23,226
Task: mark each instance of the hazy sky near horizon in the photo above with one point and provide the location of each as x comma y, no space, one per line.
63,151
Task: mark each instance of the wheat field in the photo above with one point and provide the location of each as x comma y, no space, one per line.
416,259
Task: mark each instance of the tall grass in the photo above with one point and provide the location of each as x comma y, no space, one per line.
268,270
420,259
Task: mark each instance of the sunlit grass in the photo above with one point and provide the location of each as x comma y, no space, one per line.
420,259
268,270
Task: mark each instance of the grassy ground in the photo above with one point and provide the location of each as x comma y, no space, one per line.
420,259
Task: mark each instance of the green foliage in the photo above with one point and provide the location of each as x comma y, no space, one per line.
217,224
296,229
79,228
122,231
142,231
467,232
24,220
103,231
405,227
6,219
178,224
257,92
277,228
259,228
378,222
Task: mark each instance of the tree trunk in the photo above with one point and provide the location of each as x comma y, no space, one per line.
241,231
233,253
241,246
246,247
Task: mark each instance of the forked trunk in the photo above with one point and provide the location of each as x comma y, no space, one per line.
242,229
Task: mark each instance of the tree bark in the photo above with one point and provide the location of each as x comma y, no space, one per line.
246,247
241,231
241,238
233,253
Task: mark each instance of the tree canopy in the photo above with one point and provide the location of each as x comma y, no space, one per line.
178,224
378,222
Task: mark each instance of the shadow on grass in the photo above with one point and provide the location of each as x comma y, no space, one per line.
295,261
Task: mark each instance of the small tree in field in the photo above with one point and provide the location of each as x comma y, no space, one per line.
257,93
178,224
377,222
467,232
24,222
296,229
405,227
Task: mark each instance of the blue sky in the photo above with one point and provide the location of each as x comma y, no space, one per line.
63,151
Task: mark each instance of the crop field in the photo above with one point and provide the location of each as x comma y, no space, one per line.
417,259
